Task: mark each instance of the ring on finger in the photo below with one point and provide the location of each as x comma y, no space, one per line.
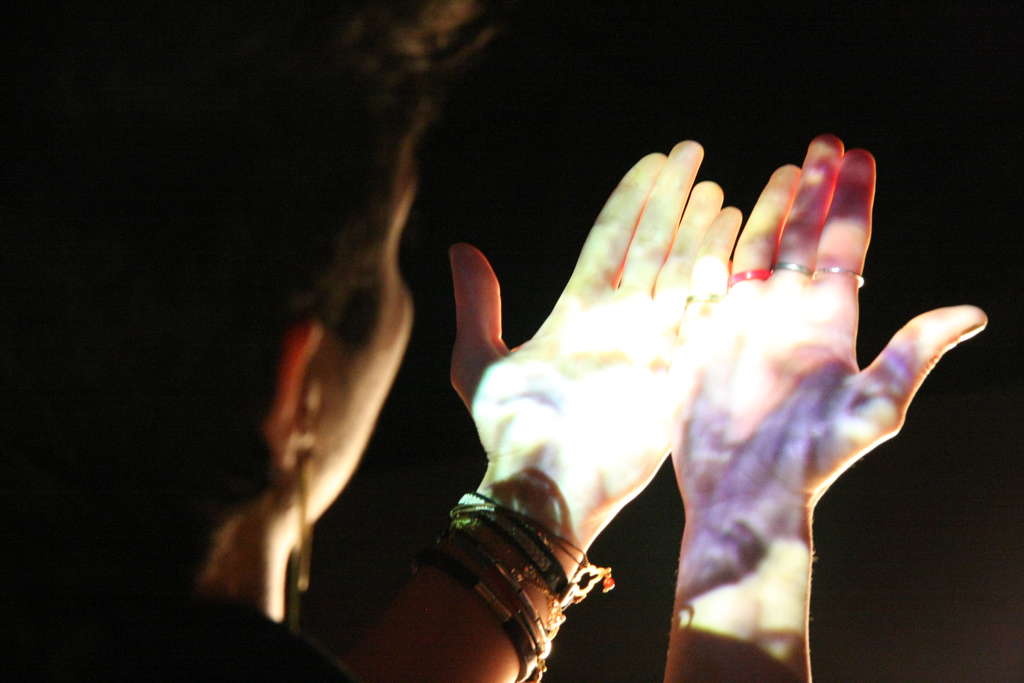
842,271
711,298
755,274
795,267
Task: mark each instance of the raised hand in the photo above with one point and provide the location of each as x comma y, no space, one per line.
575,421
773,406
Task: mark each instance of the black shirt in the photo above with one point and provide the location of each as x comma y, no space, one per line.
221,642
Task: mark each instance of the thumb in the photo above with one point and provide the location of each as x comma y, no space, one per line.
882,392
478,319
901,368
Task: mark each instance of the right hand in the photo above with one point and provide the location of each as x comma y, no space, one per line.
575,421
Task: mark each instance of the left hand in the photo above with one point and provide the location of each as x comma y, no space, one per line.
575,421
773,406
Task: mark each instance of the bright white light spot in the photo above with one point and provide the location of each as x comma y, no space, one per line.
710,276
771,601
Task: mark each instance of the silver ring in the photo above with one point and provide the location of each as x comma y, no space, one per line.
843,271
710,299
794,267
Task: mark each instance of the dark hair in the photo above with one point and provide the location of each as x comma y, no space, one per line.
176,185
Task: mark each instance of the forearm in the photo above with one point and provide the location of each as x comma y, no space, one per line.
741,603
435,630
483,606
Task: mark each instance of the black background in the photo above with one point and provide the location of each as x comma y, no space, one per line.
920,569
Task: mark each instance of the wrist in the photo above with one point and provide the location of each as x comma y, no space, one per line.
747,583
533,494
514,566
726,542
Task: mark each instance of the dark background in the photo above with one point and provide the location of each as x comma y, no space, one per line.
920,569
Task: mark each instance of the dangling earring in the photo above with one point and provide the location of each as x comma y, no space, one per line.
302,555
305,549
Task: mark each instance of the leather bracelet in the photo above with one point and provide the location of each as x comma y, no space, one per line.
513,627
521,622
449,565
518,600
497,553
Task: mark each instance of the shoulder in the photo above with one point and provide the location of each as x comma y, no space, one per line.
224,643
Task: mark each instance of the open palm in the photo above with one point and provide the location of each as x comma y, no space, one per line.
772,403
575,421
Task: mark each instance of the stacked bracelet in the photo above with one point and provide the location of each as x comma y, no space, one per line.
583,579
499,554
516,531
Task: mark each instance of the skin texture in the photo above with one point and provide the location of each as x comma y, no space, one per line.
773,408
550,454
758,395
561,447
328,396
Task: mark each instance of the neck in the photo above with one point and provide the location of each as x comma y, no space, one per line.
248,562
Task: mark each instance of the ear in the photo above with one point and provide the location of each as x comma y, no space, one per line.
285,418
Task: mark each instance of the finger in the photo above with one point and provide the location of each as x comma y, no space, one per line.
657,227
711,269
884,389
847,232
673,282
760,237
478,319
604,252
799,241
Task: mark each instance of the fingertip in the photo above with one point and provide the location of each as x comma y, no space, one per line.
472,276
789,172
708,190
465,255
455,257
461,248
654,159
858,167
940,330
645,172
827,140
689,147
455,251
730,214
860,155
975,321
